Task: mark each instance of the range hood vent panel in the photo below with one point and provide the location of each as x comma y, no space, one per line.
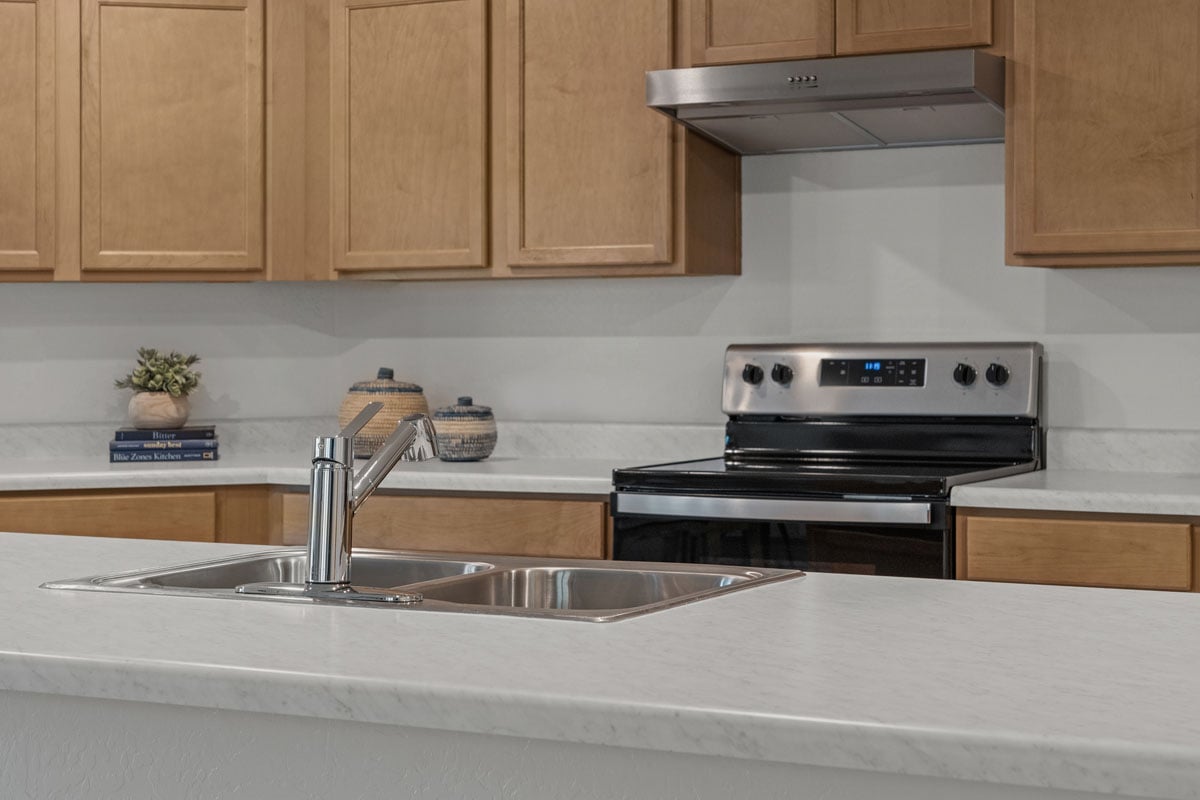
894,100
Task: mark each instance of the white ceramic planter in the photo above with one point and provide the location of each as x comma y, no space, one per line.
158,411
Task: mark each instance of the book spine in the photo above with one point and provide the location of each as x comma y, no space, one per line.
165,436
124,456
182,444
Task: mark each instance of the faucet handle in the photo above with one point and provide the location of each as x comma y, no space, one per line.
340,448
355,425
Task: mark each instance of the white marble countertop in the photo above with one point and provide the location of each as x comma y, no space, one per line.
592,476
1040,686
1086,491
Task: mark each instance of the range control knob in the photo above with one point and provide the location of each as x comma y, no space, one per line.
964,374
782,373
752,374
997,374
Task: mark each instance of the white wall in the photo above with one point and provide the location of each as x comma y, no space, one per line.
888,246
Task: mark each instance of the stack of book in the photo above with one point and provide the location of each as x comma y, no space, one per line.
194,443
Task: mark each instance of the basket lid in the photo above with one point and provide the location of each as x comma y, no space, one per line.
384,383
464,409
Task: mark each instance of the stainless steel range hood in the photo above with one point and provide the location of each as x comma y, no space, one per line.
860,102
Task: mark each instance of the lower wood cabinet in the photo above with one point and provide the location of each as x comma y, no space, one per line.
462,524
486,524
203,514
1078,550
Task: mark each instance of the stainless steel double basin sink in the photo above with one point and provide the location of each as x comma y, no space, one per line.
592,591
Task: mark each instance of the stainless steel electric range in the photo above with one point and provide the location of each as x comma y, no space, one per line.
839,458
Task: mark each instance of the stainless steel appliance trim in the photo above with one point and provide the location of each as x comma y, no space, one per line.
939,396
700,506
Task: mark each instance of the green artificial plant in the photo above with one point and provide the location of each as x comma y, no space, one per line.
159,372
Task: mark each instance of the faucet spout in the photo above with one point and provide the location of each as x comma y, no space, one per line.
413,440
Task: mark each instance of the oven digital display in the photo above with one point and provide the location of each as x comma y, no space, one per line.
864,372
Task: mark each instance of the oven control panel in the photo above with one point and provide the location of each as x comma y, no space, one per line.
968,379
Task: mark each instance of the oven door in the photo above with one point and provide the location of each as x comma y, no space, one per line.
869,537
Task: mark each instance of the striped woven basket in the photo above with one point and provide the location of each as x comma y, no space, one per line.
465,432
399,400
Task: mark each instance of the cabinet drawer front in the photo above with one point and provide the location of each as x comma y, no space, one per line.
498,526
1131,555
179,516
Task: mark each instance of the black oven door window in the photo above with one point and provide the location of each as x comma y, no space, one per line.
905,551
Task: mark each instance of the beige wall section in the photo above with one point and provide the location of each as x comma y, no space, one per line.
172,135
589,167
731,31
27,128
409,133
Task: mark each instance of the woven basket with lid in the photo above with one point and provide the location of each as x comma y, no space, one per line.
465,432
399,400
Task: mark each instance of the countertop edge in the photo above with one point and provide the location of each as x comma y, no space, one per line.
1050,763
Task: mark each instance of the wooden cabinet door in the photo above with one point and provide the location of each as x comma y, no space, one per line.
1103,138
588,166
732,31
883,26
26,137
180,515
1075,552
474,525
172,135
409,133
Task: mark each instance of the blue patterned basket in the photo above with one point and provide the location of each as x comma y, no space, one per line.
465,432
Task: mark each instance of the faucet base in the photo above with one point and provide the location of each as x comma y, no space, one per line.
337,592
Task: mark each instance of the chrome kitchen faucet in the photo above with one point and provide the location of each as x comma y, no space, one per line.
335,494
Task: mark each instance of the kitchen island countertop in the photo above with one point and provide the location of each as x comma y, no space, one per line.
1033,686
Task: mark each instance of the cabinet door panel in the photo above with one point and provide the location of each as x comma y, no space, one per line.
882,26
1104,128
730,31
480,525
1134,555
589,166
175,515
409,133
172,135
26,135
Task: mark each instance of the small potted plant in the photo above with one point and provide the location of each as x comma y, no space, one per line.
162,383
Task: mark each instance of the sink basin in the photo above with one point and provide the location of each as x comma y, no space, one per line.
371,568
592,591
599,589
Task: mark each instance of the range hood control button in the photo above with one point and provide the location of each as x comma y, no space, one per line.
997,374
964,374
752,374
782,373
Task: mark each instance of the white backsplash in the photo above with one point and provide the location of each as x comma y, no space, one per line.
869,246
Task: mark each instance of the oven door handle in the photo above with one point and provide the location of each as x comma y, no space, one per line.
760,508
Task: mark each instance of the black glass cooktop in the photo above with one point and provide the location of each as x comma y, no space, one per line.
799,478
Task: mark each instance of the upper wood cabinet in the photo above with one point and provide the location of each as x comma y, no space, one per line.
508,138
172,135
736,31
1103,140
27,123
409,133
883,26
730,31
